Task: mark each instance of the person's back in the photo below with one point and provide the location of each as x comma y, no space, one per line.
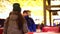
12,24
15,24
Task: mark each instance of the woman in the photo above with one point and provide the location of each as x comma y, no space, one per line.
15,23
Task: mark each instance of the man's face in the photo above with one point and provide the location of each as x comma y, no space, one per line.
25,14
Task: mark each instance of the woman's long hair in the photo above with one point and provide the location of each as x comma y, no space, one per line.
17,11
20,20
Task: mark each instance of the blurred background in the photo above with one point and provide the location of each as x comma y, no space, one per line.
42,11
37,8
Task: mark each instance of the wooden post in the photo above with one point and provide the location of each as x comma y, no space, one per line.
44,2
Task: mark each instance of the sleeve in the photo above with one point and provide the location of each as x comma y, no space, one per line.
5,27
33,25
25,28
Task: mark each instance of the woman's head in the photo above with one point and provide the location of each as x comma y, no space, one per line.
16,7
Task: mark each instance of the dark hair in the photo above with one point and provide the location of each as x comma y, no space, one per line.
16,7
26,11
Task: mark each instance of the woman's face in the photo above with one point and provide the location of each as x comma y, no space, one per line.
13,17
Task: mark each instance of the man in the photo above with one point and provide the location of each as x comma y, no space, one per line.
30,22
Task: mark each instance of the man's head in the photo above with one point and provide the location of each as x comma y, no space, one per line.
26,13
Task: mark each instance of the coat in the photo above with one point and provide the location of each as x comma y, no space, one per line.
10,27
31,24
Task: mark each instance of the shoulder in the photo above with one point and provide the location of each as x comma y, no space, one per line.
11,12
